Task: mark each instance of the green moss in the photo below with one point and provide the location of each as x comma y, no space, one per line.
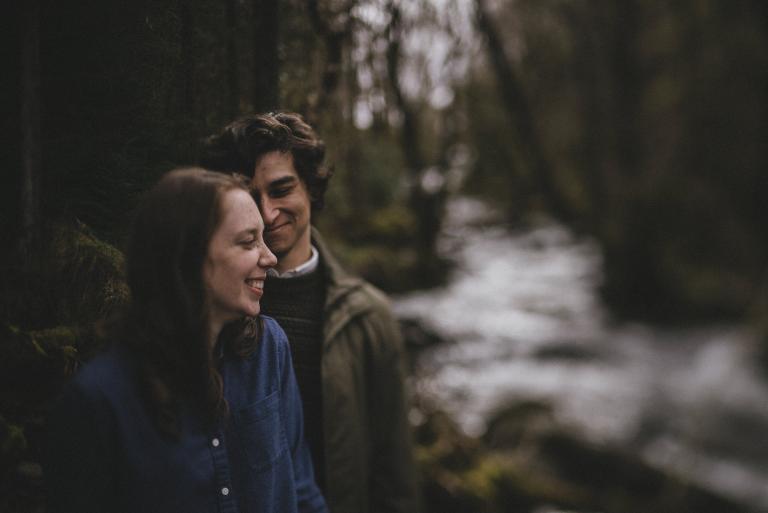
12,439
393,225
62,342
33,365
60,336
484,479
92,270
74,280
390,269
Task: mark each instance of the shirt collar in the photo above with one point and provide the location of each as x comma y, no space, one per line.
305,268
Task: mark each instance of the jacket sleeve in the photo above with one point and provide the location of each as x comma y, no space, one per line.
78,474
309,498
393,485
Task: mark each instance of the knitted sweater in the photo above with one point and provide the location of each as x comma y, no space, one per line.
297,305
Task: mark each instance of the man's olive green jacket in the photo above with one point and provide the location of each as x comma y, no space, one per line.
368,455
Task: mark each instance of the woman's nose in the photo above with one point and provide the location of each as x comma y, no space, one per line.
268,259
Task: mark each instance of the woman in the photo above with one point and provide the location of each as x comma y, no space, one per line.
195,408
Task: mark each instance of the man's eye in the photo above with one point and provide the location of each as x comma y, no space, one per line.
277,193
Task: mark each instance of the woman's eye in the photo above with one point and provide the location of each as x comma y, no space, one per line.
248,242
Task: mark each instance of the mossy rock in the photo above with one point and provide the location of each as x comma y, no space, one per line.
527,461
13,446
13,443
440,442
417,336
511,426
459,474
93,271
33,368
393,226
33,365
620,482
516,484
389,268
443,454
74,279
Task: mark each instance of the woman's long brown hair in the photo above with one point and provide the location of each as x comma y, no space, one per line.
166,325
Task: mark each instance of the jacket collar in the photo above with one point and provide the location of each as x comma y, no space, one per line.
341,304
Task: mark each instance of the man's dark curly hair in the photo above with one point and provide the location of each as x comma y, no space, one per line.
242,143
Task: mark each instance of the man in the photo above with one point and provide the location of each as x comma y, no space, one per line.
346,346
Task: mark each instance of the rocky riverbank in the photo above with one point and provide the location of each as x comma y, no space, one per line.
526,461
518,354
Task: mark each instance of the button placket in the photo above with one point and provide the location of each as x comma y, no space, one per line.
216,444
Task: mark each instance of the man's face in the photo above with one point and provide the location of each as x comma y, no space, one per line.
285,206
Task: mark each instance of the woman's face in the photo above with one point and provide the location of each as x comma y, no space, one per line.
237,260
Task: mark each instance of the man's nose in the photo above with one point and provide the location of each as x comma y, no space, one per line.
269,211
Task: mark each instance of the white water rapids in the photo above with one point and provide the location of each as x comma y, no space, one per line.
524,322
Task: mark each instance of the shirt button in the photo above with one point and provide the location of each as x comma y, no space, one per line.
215,443
225,491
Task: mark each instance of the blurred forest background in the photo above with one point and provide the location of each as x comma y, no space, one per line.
640,124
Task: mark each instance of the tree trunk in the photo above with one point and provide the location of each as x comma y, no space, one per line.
332,71
359,204
426,205
187,61
409,134
266,65
519,112
591,69
31,147
233,97
627,89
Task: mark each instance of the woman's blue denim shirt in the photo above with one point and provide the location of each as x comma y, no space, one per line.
104,453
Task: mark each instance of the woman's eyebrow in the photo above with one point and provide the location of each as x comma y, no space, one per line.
255,230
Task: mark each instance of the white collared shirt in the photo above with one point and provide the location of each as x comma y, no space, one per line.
305,268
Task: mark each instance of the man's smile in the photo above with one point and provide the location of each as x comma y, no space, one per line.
276,227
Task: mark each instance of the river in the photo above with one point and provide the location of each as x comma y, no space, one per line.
523,321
